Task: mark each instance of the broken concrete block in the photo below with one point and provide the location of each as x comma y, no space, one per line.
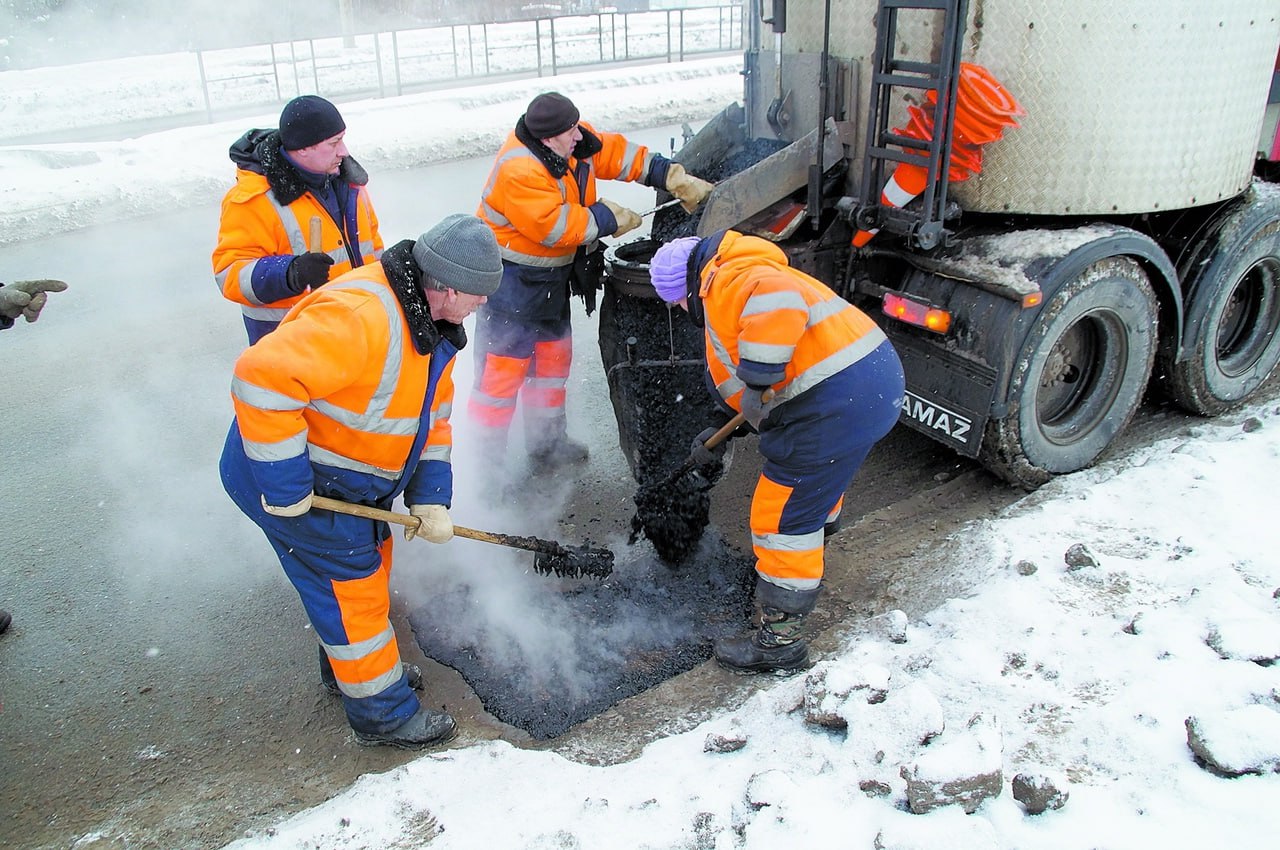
964,770
1078,557
891,626
769,788
1248,638
945,830
1038,792
727,742
1237,741
828,692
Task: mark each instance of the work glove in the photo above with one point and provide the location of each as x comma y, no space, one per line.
434,524
691,190
703,456
753,407
628,220
308,271
298,508
586,277
26,298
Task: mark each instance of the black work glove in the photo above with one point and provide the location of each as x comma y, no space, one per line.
586,277
308,271
704,456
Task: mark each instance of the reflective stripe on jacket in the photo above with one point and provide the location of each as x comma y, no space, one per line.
332,400
770,324
258,236
539,219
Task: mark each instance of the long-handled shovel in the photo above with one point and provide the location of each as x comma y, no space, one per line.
551,558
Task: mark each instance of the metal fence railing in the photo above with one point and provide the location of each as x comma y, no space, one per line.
388,64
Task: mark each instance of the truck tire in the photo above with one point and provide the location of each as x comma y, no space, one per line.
1232,278
1079,376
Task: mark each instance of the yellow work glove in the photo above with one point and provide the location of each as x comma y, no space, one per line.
628,220
689,189
434,524
298,508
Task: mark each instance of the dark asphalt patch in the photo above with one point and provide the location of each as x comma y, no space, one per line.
566,656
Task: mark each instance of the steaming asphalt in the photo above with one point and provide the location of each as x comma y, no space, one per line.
158,681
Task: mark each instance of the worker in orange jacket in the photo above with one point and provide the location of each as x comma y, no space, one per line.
540,200
836,388
298,214
350,398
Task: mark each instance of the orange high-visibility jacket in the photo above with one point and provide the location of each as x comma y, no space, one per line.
539,219
266,221
333,399
767,323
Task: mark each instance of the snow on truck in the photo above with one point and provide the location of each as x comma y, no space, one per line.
1049,207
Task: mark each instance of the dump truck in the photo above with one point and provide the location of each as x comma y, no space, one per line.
1102,222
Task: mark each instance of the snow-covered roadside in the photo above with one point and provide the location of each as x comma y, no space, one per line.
1077,670
46,189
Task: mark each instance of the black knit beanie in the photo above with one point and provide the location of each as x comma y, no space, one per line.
308,120
550,114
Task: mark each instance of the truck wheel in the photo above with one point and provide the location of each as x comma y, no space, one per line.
1233,312
1079,377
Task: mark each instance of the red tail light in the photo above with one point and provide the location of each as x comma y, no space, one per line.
916,313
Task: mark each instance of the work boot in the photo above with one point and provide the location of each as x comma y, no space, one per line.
776,647
423,730
5,619
330,681
553,456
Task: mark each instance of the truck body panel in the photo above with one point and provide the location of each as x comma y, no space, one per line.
1126,227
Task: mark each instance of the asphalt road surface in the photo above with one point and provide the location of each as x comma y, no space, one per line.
158,686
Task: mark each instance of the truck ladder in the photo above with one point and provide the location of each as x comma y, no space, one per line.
923,226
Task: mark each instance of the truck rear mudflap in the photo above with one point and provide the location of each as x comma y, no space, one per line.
949,396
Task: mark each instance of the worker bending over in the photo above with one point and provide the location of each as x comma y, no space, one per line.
350,398
540,200
837,387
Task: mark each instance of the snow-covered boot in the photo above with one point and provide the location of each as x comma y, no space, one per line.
424,729
330,681
778,645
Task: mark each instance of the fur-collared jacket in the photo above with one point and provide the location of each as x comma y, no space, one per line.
275,212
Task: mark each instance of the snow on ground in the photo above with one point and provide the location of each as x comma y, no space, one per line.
1080,674
1079,669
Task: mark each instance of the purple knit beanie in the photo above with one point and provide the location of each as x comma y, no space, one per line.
668,268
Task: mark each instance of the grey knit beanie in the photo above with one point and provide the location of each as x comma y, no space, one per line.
461,253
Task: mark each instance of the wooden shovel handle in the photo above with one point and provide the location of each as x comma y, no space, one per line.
317,236
407,520
725,430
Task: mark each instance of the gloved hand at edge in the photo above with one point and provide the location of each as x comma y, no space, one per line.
27,298
434,524
691,190
754,407
308,271
298,508
628,220
703,456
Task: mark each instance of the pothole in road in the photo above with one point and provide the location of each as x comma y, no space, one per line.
565,657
